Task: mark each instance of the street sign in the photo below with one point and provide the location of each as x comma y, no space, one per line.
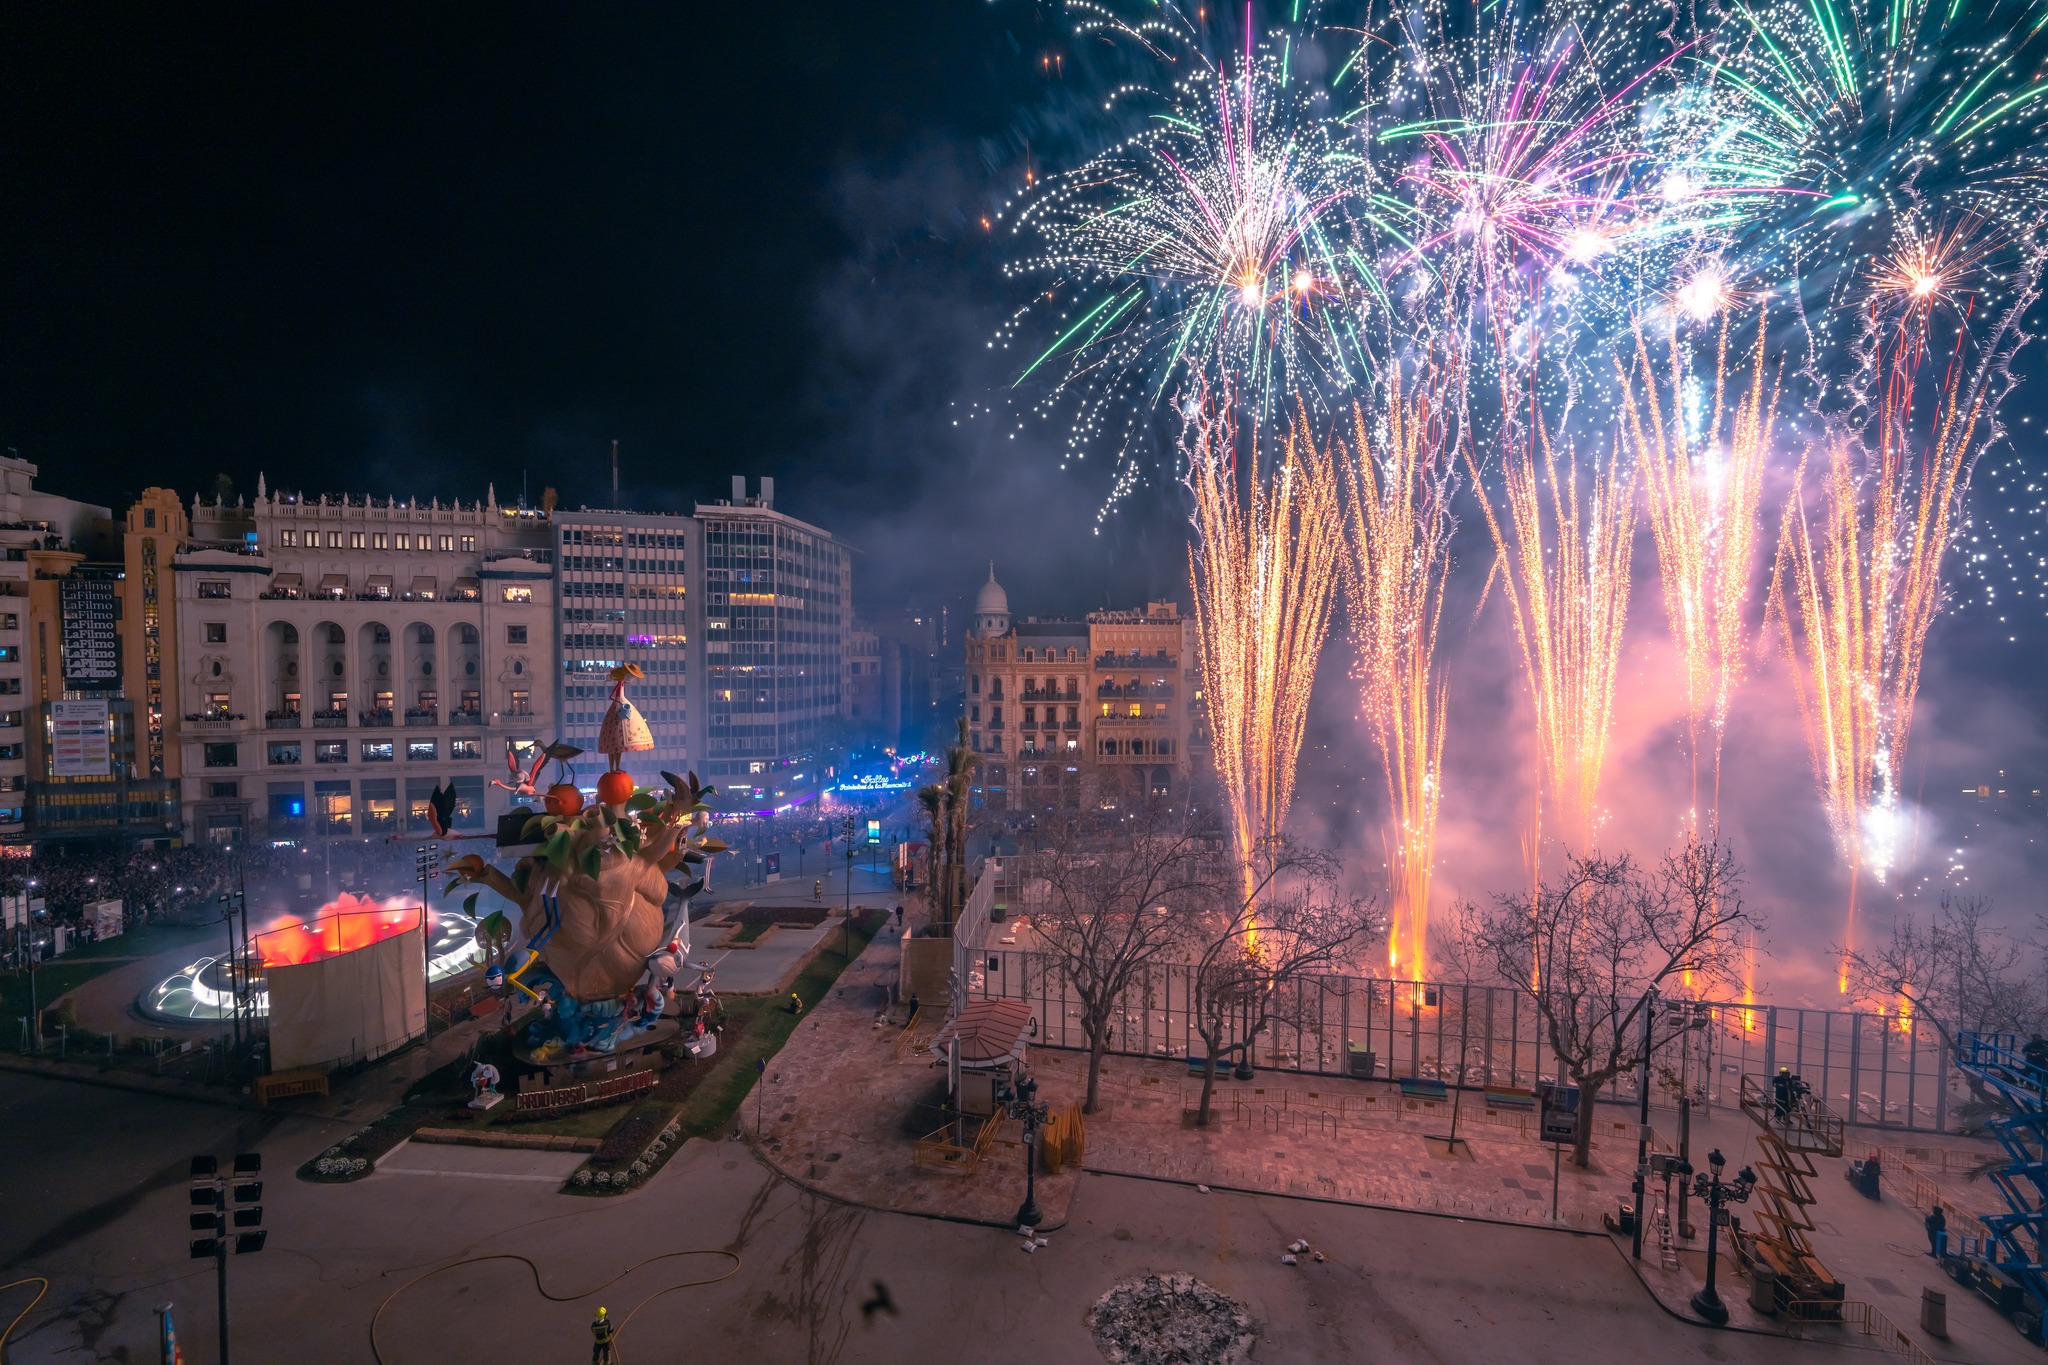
1560,1113
874,831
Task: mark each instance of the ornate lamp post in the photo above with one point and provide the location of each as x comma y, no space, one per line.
1717,1195
1025,1105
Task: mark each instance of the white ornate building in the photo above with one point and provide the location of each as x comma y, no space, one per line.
340,658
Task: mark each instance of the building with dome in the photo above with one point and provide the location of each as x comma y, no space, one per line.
1067,712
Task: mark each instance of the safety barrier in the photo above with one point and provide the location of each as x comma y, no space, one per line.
938,1152
281,1084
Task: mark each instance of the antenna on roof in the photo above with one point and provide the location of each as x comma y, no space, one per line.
615,473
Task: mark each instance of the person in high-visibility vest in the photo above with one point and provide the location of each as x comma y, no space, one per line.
601,1334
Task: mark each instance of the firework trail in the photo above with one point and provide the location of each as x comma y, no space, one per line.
1563,538
1858,581
1701,455
1397,486
1263,565
1214,249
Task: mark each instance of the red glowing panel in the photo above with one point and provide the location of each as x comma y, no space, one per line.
343,926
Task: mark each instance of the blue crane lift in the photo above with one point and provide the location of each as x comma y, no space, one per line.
2006,1268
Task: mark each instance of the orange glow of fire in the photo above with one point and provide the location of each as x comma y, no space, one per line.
342,926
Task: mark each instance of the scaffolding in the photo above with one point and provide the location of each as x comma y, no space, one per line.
2007,1266
1793,1127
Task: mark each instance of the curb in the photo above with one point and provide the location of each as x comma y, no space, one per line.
537,1142
1343,1203
142,1085
840,1199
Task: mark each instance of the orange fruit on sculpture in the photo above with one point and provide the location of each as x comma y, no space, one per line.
615,788
564,799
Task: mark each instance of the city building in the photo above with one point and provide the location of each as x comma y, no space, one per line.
777,609
68,765
622,596
872,717
1066,713
337,659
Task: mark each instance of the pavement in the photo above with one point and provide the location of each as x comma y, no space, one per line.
716,1258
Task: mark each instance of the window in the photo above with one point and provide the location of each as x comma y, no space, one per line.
149,518
518,594
522,703
335,806
380,635
465,748
331,751
10,751
355,540
422,751
447,543
221,791
288,537
403,541
377,751
379,540
216,632
469,544
9,621
215,588
974,684
223,755
287,804
515,635
285,753
216,706
974,714
336,636
334,540
291,635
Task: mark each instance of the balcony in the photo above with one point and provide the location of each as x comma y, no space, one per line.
1032,694
333,718
379,719
1071,726
467,717
1145,691
280,720
422,715
213,722
1027,725
1134,720
995,725
1138,661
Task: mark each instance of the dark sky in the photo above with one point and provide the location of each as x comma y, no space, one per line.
410,249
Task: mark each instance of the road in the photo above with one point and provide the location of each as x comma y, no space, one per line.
96,1201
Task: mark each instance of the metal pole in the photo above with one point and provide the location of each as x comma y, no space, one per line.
1556,1159
1685,1159
228,919
1643,1122
220,1271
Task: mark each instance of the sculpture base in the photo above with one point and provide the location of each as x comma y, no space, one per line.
488,1100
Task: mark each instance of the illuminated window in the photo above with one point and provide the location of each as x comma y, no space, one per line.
518,594
447,543
380,540
355,540
403,541
288,537
469,544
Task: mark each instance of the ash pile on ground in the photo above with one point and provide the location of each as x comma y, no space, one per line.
1171,1320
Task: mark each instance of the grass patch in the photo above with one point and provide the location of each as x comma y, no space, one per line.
749,933
803,916
74,969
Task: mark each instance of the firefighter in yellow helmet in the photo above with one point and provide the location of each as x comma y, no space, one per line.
601,1334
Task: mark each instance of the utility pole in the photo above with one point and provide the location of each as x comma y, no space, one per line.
1643,1121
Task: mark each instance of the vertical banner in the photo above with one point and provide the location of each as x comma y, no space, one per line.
80,739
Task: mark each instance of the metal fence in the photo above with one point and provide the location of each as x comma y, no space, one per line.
1873,1070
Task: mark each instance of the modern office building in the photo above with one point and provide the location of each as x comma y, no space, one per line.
337,659
777,608
622,595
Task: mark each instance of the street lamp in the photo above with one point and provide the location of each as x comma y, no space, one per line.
1717,1195
1025,1105
847,827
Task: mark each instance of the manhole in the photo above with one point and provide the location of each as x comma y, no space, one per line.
1167,1319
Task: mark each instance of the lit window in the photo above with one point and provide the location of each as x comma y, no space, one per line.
355,540
288,537
379,540
447,542
469,544
518,594
404,541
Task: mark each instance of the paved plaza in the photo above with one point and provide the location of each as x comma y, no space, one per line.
1429,1254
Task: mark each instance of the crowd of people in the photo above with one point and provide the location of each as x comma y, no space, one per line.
158,883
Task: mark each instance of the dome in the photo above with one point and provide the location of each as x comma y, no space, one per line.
993,600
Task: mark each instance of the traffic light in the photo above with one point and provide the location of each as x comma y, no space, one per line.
248,1192
251,1217
208,1197
203,1247
247,1242
205,1222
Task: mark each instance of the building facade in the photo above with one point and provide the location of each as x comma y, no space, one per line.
871,716
338,659
1071,713
623,596
777,609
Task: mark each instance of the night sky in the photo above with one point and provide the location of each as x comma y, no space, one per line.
414,249
410,250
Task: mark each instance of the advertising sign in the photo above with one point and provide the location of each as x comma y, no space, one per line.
81,739
90,659
1560,1112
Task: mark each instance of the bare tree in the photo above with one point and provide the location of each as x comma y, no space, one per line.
1261,934
1119,891
1957,970
1590,945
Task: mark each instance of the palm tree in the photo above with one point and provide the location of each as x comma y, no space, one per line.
932,799
961,765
